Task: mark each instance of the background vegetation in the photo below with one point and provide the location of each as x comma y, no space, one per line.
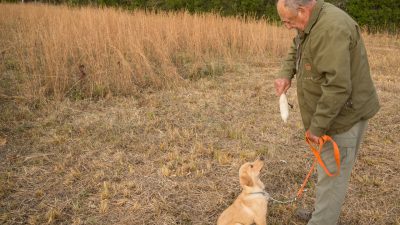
81,53
376,15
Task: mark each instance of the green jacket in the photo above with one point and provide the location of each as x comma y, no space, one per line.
334,85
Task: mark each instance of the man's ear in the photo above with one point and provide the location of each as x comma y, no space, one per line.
245,180
301,10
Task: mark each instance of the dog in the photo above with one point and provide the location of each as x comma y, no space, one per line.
252,204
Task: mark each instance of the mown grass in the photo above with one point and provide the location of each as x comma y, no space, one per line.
169,154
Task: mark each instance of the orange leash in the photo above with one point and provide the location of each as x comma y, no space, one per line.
317,154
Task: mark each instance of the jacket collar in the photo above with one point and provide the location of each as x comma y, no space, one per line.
314,16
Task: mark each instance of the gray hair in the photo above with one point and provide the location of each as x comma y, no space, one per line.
295,4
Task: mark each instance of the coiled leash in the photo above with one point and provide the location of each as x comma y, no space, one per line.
317,153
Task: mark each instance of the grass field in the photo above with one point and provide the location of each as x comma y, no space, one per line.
130,139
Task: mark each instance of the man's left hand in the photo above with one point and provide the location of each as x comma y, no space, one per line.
314,139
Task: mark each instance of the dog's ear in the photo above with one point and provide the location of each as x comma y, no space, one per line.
245,180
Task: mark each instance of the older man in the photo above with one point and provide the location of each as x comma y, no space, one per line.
334,88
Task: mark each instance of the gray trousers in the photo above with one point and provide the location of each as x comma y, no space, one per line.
331,191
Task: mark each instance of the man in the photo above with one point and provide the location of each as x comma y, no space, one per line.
334,88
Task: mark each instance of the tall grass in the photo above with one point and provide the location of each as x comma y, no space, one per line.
58,52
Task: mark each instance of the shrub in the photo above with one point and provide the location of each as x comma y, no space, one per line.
376,15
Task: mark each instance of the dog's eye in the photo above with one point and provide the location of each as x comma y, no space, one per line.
251,166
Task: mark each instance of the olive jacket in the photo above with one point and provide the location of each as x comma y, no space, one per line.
334,85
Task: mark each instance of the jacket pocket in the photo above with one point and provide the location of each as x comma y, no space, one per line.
311,81
347,108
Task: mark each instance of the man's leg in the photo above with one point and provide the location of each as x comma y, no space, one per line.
331,191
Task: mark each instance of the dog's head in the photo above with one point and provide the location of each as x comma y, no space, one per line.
249,173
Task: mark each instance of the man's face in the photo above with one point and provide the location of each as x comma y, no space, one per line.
293,18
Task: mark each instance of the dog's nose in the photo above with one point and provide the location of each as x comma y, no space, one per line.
262,158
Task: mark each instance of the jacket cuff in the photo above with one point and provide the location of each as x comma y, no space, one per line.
317,131
284,75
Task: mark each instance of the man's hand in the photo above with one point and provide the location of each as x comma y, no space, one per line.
282,85
314,139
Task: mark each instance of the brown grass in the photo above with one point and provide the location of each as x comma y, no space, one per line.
68,52
169,156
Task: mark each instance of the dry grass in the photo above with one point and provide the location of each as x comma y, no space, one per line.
63,52
172,156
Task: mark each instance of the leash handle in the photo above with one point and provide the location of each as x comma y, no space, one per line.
317,153
318,158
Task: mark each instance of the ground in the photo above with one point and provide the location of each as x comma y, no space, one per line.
172,156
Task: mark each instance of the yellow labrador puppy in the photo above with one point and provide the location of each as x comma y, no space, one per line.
251,205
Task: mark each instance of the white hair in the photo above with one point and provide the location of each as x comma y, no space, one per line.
295,4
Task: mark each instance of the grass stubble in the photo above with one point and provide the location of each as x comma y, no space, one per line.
154,114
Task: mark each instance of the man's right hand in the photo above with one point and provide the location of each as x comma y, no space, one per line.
282,85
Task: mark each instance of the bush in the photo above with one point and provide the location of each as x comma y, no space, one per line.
376,15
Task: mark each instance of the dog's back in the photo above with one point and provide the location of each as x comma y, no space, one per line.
247,209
